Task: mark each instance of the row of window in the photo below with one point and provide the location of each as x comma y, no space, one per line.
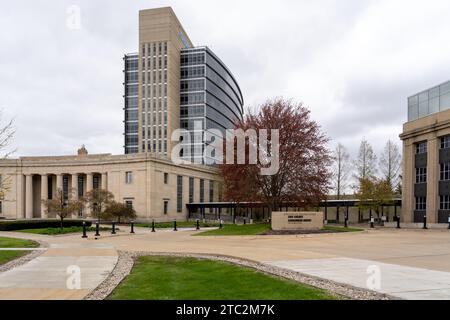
423,148
444,203
151,49
421,173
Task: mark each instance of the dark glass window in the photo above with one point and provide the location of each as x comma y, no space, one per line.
202,190
179,193
421,203
166,206
444,203
445,142
421,148
166,178
421,175
445,171
191,189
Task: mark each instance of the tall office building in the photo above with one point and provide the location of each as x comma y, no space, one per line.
426,157
170,84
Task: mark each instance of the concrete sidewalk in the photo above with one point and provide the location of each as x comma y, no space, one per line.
54,274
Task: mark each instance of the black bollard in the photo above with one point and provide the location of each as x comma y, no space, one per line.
153,225
425,222
448,222
132,227
346,222
84,230
245,221
175,225
371,223
220,224
113,228
97,229
398,221
198,224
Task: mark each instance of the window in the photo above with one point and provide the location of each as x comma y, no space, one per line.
421,148
191,189
166,206
129,204
445,142
128,177
444,203
96,182
421,203
421,175
211,194
179,193
166,178
445,171
202,190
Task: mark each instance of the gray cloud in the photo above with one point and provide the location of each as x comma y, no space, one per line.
352,62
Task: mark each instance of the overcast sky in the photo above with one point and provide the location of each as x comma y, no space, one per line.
352,62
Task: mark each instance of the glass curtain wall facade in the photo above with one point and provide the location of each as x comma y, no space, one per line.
210,98
131,103
429,101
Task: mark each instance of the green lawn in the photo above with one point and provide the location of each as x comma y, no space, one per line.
6,256
342,229
180,224
237,230
56,231
174,278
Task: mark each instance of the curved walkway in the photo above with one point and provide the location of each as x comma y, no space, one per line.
66,270
411,264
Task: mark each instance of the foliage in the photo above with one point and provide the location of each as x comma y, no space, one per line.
98,201
118,211
374,193
63,205
303,175
38,224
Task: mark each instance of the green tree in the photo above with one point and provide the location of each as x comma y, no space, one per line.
98,201
118,211
63,205
375,193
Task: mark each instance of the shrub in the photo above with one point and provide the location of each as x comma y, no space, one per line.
39,224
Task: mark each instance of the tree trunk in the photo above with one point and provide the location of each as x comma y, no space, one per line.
61,225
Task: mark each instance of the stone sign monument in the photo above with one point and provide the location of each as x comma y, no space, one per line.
297,220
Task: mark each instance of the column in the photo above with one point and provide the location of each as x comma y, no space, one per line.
29,196
104,181
89,187
408,182
59,183
433,180
44,195
74,191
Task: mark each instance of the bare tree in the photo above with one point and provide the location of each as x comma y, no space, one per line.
7,132
341,170
365,163
390,164
98,201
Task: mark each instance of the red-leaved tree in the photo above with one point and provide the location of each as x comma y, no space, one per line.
303,176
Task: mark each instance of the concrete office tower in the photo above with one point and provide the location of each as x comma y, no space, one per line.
164,66
426,157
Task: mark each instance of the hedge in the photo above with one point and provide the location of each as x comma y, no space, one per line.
39,224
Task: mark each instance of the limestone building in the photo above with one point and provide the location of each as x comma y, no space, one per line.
154,187
169,84
426,157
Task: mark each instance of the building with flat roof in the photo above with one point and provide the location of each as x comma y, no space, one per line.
170,84
426,157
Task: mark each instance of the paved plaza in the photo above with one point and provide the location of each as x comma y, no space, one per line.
413,264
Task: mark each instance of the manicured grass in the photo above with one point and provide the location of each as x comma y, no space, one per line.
180,224
342,229
174,278
17,243
6,256
56,231
238,230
